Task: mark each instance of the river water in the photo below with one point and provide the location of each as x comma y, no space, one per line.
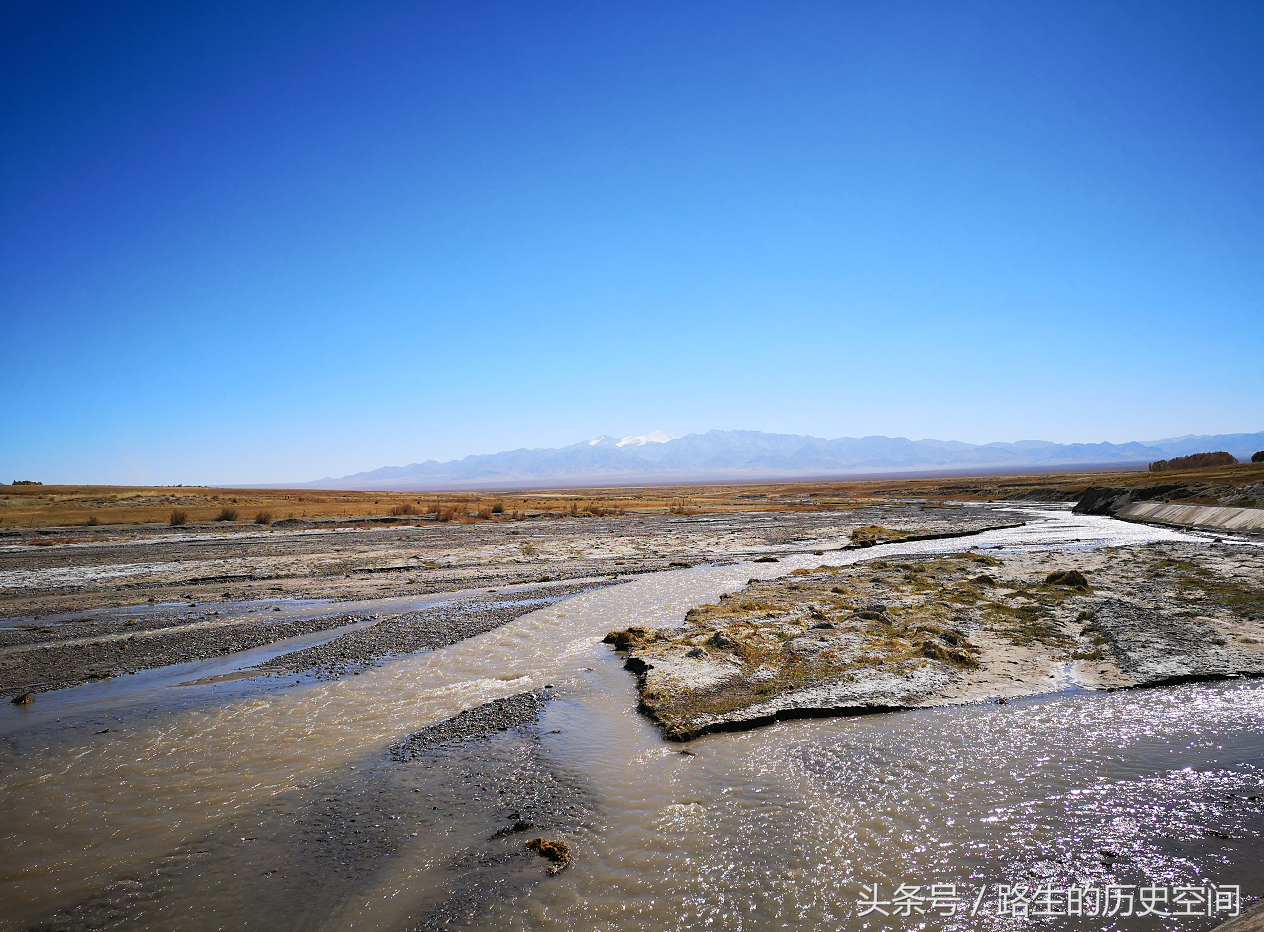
780,828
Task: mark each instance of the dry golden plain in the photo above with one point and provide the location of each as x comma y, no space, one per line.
69,506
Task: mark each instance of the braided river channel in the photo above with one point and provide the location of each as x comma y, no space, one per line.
791,826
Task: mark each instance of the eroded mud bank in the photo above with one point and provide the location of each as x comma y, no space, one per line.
952,628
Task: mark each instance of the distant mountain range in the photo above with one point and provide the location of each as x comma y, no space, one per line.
748,455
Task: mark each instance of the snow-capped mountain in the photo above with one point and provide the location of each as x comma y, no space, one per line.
747,455
654,436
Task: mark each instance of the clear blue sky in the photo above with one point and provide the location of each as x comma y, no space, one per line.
274,242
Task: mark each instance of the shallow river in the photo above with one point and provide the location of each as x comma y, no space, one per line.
781,828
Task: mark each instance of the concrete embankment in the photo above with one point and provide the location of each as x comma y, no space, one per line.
1153,505
1210,517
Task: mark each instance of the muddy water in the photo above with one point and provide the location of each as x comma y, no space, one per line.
225,678
80,814
785,827
770,829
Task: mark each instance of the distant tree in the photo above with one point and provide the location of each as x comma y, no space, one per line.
1194,461
1257,457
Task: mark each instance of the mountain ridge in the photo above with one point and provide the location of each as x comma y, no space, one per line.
737,455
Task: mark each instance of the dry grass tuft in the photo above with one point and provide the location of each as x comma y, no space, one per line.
263,517
558,852
178,518
868,535
405,508
1073,578
226,514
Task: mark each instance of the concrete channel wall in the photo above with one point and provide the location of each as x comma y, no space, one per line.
1207,517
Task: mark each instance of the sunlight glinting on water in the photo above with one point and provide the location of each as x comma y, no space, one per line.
781,827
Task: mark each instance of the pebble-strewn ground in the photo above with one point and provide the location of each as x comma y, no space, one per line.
120,602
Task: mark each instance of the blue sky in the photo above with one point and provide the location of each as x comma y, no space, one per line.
270,242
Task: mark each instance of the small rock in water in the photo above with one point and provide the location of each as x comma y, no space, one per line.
767,560
627,640
24,699
518,826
